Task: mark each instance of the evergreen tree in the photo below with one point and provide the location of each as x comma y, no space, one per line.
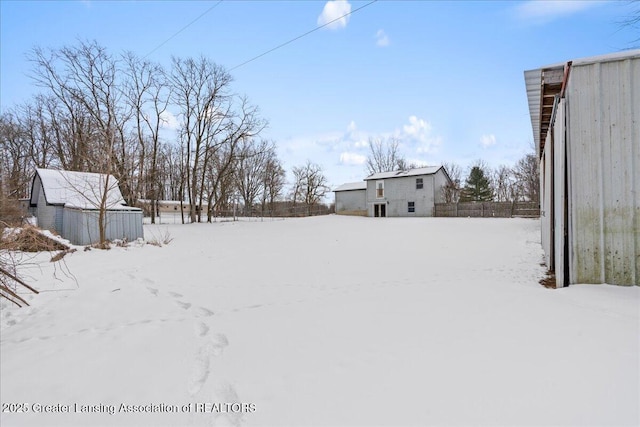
477,187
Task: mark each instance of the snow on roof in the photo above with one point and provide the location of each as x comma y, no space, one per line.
350,186
82,190
429,170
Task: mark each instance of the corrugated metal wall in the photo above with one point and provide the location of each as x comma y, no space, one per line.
603,142
46,214
350,201
81,226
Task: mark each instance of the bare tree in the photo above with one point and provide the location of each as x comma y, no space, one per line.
310,185
273,182
85,77
250,169
36,123
451,191
384,156
503,183
200,88
15,158
148,94
220,179
527,176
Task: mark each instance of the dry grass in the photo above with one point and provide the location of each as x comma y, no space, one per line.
163,239
549,281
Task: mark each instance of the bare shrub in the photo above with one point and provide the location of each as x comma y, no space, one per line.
164,238
11,214
14,244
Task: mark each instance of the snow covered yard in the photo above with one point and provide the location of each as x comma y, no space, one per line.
321,321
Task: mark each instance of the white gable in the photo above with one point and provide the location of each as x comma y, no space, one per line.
81,190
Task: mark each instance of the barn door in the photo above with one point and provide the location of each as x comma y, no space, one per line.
560,196
379,210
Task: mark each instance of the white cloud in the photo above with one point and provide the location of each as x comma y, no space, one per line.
335,10
169,121
382,40
352,159
488,140
343,153
417,137
540,12
361,143
417,128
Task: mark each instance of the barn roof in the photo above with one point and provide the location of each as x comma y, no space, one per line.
82,190
545,83
351,186
429,170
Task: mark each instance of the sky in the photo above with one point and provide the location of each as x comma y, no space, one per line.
444,78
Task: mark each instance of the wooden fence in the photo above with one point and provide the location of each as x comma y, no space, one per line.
488,209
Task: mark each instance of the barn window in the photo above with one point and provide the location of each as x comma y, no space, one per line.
419,184
411,207
379,189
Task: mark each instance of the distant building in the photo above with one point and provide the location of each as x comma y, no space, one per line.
585,116
412,192
351,199
69,203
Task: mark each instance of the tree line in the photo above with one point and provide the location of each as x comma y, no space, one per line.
111,114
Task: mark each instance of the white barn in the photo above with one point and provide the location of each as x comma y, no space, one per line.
585,116
351,199
68,203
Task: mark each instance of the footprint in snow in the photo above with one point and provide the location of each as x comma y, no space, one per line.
201,365
201,329
184,305
227,393
204,311
176,295
153,291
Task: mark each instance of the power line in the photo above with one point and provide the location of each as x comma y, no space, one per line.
184,28
301,36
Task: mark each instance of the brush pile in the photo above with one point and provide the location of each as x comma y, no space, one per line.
14,241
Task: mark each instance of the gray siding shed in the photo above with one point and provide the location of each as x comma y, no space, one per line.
68,203
351,199
80,226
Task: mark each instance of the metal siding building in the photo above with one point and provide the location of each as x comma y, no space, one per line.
351,199
67,202
586,122
80,226
402,195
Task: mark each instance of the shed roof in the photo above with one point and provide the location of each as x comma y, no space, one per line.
544,83
82,190
429,170
351,186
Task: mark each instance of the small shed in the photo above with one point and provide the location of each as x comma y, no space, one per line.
69,203
351,199
585,115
